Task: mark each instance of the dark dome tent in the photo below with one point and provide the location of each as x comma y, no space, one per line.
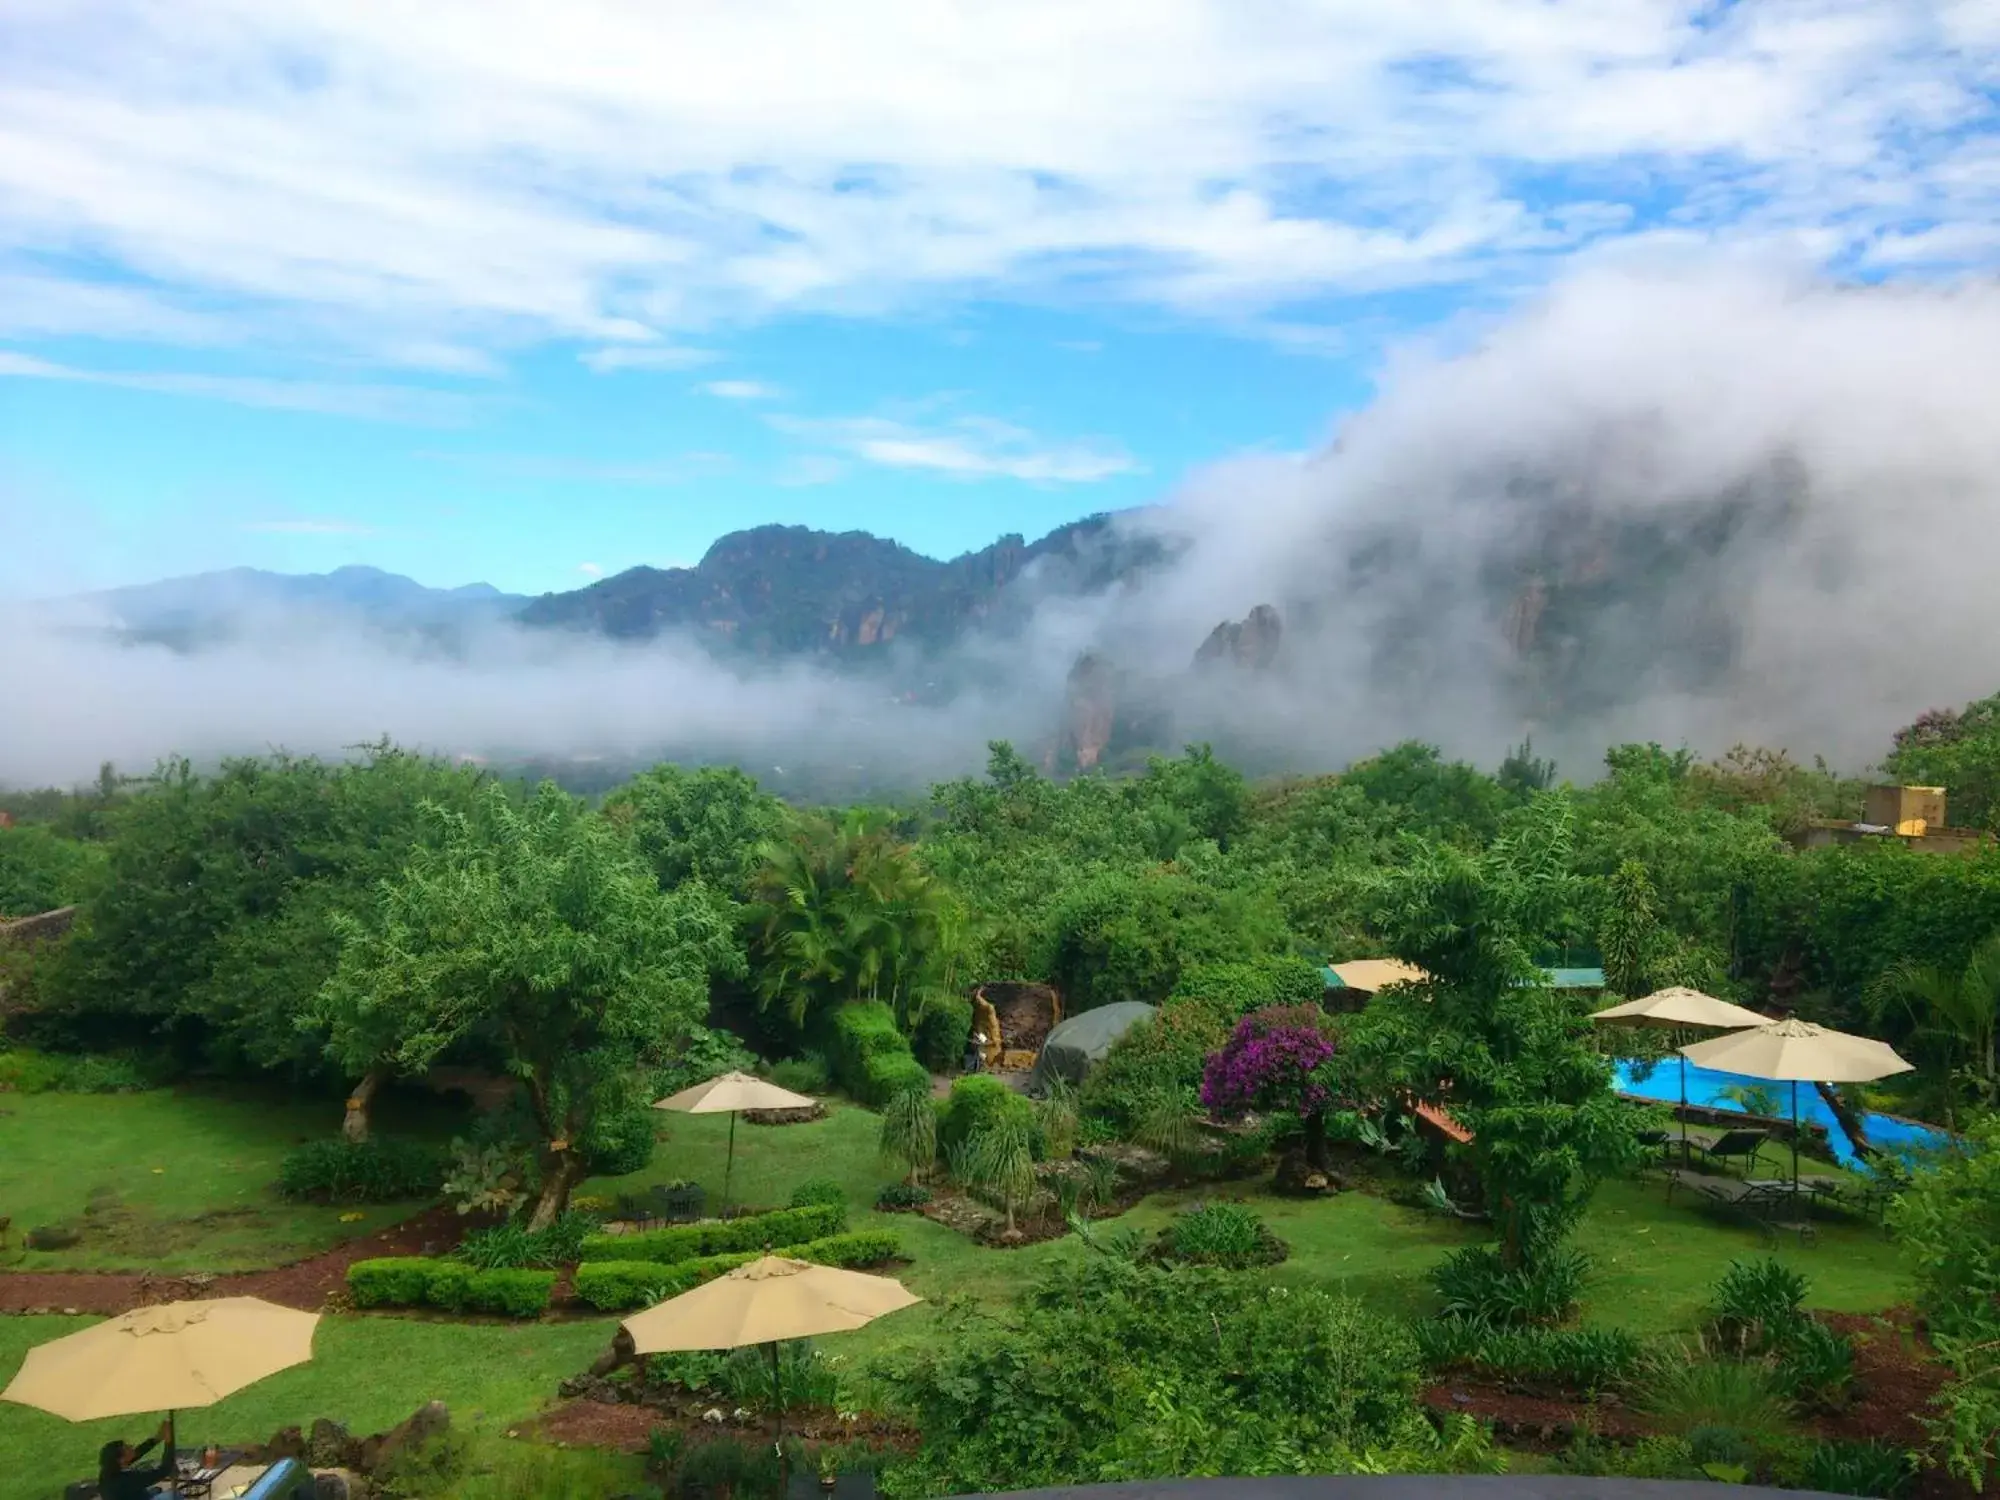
1081,1042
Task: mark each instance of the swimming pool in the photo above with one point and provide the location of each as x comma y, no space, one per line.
1662,1080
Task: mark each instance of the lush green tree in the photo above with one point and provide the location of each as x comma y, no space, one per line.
1513,1060
1124,936
1429,795
708,824
536,929
1629,934
41,870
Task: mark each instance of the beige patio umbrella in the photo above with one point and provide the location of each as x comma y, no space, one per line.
164,1358
1674,1009
730,1093
765,1302
1798,1052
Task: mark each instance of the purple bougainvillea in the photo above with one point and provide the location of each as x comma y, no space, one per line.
1274,1060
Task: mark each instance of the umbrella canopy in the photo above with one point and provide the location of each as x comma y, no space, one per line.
1669,1009
732,1092
1798,1051
163,1358
764,1302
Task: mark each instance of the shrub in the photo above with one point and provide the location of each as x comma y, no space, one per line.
1841,1468
378,1170
449,1285
621,1142
900,1197
1475,1283
729,1466
785,1226
506,1246
869,1054
1757,1303
806,1074
1815,1364
705,1052
976,1104
1649,1458
938,1038
1587,1360
1236,989
23,1071
394,1281
818,1190
1221,1234
1685,1390
805,1378
513,1293
613,1285
1160,1058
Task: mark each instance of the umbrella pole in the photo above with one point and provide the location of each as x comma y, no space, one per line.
729,1161
1684,1103
1795,1137
778,1407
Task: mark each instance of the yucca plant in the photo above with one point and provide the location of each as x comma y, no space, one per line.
909,1138
1059,1117
1000,1159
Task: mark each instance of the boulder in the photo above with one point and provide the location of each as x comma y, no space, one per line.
286,1442
429,1421
338,1484
329,1444
1297,1179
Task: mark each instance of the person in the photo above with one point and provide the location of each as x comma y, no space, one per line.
119,1476
975,1052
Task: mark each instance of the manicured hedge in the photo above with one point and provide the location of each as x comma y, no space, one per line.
939,1037
786,1226
380,1169
618,1285
978,1102
418,1281
870,1056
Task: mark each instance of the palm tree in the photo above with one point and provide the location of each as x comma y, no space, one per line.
1961,1010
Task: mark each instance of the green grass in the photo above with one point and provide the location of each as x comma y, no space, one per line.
368,1373
181,1180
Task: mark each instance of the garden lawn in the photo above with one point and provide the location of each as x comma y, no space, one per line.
367,1373
179,1180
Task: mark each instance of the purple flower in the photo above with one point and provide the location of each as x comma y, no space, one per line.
1272,1061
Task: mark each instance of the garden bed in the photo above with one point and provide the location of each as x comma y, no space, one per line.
627,1426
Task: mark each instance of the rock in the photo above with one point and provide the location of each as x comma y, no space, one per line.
1297,1179
591,1388
429,1421
53,1237
329,1444
800,1116
338,1484
287,1442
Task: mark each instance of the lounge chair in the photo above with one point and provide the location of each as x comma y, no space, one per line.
1767,1203
1732,1145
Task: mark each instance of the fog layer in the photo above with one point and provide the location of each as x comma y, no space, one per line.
1697,508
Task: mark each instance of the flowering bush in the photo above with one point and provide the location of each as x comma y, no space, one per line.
1275,1059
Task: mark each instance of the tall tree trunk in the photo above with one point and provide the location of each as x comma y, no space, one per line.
561,1171
1849,1121
1316,1141
355,1126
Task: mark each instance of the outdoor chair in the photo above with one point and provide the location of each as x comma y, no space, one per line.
1761,1203
1732,1145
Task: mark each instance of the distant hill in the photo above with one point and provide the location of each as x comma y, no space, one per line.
777,591
203,608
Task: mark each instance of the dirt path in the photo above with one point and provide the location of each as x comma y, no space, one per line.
304,1284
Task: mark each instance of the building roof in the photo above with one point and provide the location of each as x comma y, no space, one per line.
1371,974
1575,979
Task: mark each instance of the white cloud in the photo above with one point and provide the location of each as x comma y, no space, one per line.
644,357
481,174
965,448
742,390
311,526
365,402
591,570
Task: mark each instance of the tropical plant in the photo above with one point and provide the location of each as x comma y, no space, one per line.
485,1178
1056,1112
1220,1234
909,1133
1959,1009
1687,1389
1000,1161
1476,1282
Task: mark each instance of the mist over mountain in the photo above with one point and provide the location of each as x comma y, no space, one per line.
1701,507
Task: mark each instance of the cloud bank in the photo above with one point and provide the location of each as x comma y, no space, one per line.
1694,507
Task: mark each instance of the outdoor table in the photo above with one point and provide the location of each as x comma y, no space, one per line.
1810,1190
195,1480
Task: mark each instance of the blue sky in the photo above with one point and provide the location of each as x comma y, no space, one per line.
530,292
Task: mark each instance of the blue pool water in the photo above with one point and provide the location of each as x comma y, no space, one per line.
1662,1080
